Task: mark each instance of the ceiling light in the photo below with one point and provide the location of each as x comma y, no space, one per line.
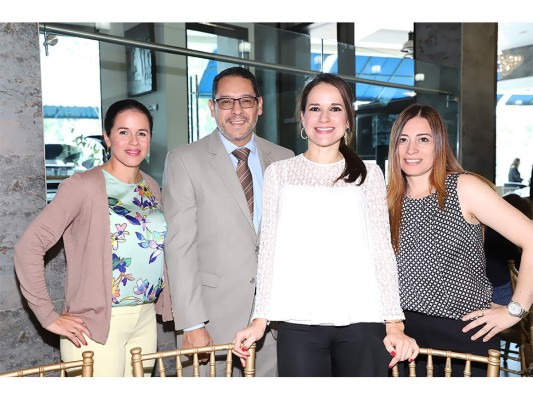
408,47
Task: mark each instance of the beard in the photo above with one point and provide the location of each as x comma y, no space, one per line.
236,138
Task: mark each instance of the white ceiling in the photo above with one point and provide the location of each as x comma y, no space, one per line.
388,38
514,34
370,37
392,35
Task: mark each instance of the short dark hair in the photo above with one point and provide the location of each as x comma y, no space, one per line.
234,71
123,105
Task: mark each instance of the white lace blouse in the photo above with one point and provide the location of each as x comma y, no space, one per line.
325,253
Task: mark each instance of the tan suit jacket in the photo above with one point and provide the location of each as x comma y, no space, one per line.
211,245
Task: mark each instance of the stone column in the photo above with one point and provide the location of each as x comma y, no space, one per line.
466,54
23,341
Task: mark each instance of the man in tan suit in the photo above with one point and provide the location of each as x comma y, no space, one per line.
212,241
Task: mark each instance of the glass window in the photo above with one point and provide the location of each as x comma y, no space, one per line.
222,39
514,125
71,108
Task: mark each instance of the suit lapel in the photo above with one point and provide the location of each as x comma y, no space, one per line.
224,168
264,155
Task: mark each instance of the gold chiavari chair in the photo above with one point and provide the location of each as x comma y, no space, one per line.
492,360
520,334
137,359
86,364
528,350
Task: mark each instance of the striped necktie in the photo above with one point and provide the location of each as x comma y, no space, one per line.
245,176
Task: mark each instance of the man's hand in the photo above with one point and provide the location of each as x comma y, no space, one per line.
198,338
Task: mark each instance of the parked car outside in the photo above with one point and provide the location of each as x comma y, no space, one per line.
62,160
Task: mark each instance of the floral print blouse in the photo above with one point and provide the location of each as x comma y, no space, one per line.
138,229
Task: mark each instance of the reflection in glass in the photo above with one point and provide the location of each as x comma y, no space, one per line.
71,108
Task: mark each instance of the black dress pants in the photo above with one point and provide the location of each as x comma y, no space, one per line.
315,350
446,334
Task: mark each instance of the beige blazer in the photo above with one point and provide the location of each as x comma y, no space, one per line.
211,245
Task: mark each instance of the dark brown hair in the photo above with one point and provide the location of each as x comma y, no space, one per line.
123,105
354,167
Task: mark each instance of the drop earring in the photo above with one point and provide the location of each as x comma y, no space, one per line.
346,136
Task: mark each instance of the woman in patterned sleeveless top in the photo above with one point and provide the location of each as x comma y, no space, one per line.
437,212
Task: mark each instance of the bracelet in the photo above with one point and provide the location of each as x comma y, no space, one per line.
393,321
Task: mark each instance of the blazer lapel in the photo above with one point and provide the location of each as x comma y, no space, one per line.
264,155
224,168
266,160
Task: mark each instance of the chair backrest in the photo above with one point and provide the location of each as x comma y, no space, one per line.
526,324
137,359
513,273
528,349
86,364
525,327
492,360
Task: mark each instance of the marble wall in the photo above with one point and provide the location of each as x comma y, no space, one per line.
22,341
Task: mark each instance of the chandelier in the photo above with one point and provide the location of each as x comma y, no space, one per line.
507,63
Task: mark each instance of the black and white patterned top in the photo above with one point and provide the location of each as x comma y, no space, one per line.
441,263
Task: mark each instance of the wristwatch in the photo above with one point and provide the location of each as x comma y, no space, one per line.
514,309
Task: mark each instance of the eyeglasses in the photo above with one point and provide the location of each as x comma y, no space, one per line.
227,103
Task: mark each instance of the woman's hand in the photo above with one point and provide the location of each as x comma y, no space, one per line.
248,336
398,344
495,319
72,327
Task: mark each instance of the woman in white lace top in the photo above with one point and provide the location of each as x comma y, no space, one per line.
326,267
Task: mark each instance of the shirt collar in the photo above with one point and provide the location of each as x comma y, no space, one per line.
229,146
